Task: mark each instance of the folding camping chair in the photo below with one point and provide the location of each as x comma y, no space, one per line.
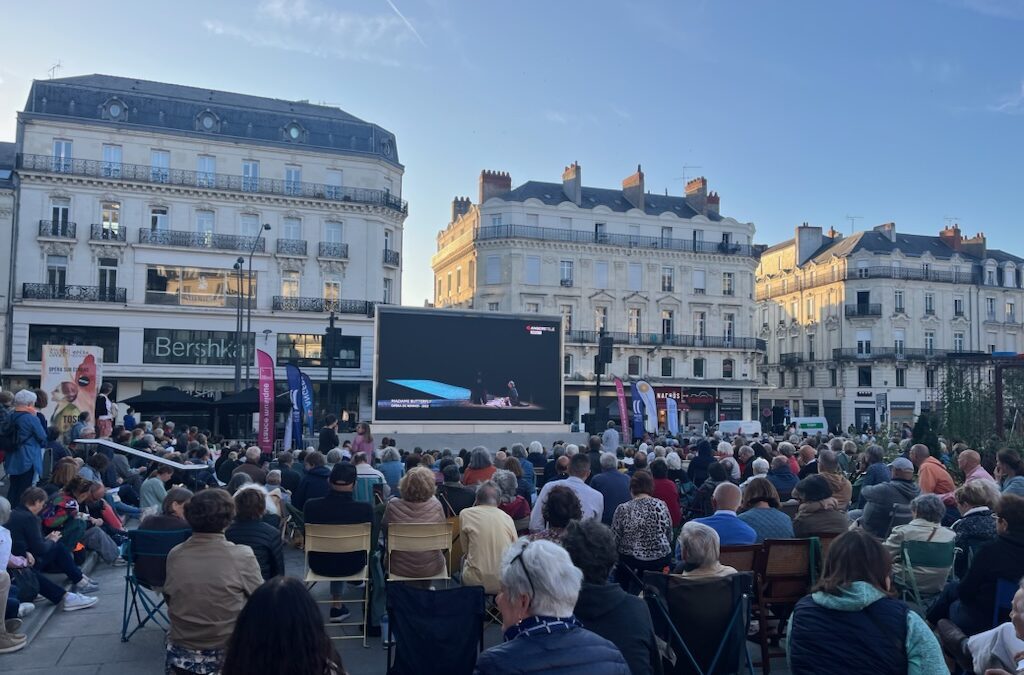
420,537
421,620
341,539
143,583
714,613
369,489
922,554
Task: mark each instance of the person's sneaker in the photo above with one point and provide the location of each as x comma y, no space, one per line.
24,609
11,642
339,614
12,625
87,585
74,601
954,643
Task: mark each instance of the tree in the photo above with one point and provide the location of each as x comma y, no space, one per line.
967,406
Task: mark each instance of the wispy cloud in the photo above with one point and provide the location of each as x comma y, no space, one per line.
284,42
1012,104
557,117
620,113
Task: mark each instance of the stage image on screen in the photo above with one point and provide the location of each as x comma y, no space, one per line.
437,365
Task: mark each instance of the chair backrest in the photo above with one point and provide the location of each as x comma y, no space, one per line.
366,487
785,570
1005,590
147,553
419,536
790,508
826,542
424,619
337,538
928,553
741,557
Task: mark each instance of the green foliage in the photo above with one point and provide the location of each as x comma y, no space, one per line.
968,406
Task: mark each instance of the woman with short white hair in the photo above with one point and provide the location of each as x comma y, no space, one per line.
760,468
700,548
539,588
725,457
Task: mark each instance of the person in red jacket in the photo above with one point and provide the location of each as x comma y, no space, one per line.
667,491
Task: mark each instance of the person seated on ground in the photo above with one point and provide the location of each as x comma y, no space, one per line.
758,469
604,608
782,477
976,501
928,511
613,486
280,632
10,639
486,531
699,551
879,499
760,510
208,582
808,461
154,488
99,507
539,589
63,472
289,476
392,467
667,491
416,505
702,504
876,473
998,651
453,496
515,505
248,529
828,468
314,481
852,599
818,513
969,603
643,532
560,508
480,468
61,514
252,466
1010,472
338,507
95,467
591,501
731,530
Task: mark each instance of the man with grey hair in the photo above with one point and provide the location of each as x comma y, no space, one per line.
879,499
928,511
334,456
24,463
539,587
610,438
591,500
571,450
486,532
252,466
731,530
612,484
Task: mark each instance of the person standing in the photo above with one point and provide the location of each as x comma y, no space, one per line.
25,463
610,438
105,411
363,442
329,435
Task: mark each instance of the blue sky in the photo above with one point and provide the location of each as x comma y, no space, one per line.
908,111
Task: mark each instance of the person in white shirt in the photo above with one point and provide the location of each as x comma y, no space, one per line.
610,438
591,501
363,468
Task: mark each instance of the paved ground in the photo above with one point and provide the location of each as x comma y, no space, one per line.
89,642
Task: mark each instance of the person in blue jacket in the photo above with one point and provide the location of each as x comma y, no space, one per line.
24,464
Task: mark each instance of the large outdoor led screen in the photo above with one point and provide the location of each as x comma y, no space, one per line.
450,366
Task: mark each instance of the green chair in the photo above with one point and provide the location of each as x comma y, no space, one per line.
369,489
923,554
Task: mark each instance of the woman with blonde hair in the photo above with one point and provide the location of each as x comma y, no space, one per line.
416,505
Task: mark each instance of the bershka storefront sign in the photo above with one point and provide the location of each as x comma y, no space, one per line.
189,347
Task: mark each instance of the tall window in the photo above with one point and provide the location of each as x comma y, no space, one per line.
160,166
864,376
990,309
492,306
698,369
633,315
110,220
567,365
929,303
929,378
728,283
666,236
667,322
496,220
699,282
388,292
635,277
668,279
929,341
668,366
633,366
532,219
864,342
728,326
600,233
111,161
204,223
108,278
958,342
728,366
332,232
533,308
601,274
290,284
332,286
250,175
292,179
458,279
158,220
810,347
291,228
532,275
249,225
700,320
57,271
901,377
809,308
492,269
60,213
899,341
566,318
1011,311
206,167
600,318
61,155
833,377
565,271
958,306
333,181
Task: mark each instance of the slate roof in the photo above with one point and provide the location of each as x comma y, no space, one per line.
910,245
176,108
552,194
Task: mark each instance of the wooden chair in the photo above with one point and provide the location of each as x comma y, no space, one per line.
790,508
741,557
784,575
341,539
417,537
538,477
826,542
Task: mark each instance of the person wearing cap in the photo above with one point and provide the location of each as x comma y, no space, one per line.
879,499
338,507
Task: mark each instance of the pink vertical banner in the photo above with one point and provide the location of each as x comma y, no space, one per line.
620,392
265,435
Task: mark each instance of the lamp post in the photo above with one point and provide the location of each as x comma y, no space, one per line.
238,325
248,304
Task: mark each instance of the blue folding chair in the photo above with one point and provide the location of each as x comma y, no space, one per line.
1005,590
146,552
367,488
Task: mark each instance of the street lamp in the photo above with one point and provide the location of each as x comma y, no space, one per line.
238,325
248,303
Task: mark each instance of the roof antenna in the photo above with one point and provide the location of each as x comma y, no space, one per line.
950,220
683,177
853,222
53,69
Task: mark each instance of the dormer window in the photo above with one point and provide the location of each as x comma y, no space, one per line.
293,132
115,109
207,121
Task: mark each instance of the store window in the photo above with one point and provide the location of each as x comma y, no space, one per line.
305,349
47,334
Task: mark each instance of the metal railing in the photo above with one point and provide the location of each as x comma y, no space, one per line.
657,339
791,358
101,232
58,229
214,181
291,246
391,257
766,291
333,249
512,231
893,353
74,293
290,304
860,309
226,242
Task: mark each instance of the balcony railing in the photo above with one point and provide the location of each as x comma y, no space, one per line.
791,358
566,283
73,293
333,249
291,247
215,181
225,242
391,257
894,354
290,304
777,288
872,309
656,339
512,231
101,232
58,229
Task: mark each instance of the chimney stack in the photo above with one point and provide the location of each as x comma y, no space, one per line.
697,194
460,207
975,246
713,203
834,234
951,237
633,189
494,183
572,183
888,229
808,240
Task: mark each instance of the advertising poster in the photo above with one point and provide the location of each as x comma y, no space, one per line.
71,377
620,393
265,431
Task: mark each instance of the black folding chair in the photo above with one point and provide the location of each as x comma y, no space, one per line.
420,620
146,552
713,612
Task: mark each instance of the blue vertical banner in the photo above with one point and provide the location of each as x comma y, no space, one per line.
638,413
294,387
672,415
307,403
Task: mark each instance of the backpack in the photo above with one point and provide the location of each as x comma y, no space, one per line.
687,492
8,432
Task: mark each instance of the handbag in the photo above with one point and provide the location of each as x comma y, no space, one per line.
27,582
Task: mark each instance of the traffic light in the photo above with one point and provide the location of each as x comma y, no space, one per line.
604,349
598,365
332,342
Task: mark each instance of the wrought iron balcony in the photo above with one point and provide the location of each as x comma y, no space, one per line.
58,229
567,283
290,304
291,247
73,293
864,309
391,257
791,358
333,249
101,232
781,287
224,242
674,340
512,231
894,354
143,173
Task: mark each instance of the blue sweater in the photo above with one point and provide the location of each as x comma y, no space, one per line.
615,488
31,437
768,523
731,530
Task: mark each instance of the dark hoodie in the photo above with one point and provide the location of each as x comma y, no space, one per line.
623,620
878,504
312,486
698,469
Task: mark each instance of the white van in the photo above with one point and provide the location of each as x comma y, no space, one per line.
748,428
810,425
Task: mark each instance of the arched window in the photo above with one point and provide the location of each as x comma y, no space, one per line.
727,369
